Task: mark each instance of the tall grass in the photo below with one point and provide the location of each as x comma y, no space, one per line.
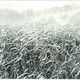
39,54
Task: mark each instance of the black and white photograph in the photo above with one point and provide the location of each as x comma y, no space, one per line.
39,39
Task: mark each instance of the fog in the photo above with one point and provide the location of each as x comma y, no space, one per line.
35,5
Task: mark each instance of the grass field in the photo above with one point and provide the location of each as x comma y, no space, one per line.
41,48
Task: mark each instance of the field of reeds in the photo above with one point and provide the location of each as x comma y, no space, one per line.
46,49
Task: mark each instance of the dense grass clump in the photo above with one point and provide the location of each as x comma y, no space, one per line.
39,54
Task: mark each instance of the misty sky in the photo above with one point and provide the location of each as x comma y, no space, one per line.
24,5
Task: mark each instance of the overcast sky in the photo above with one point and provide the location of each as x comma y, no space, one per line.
24,5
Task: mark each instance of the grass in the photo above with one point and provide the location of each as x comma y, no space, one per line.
39,54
